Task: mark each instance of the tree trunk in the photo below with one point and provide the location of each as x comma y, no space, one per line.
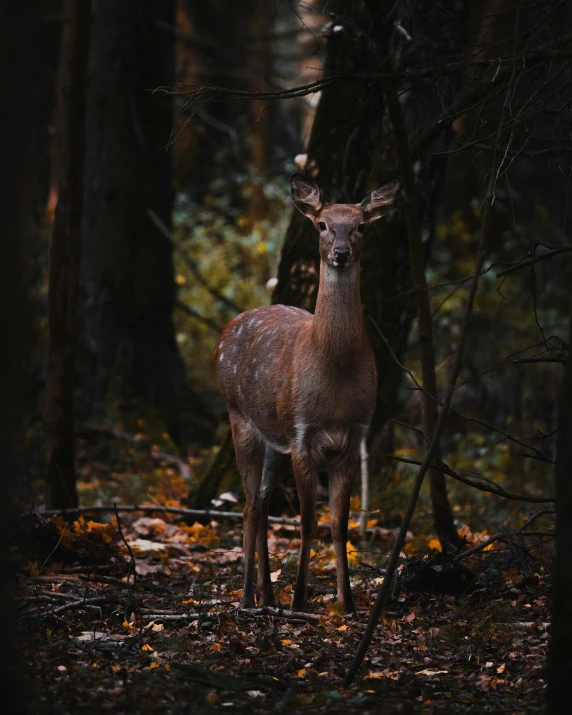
58,411
129,350
560,650
21,34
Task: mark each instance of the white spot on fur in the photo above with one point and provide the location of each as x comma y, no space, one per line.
221,356
234,369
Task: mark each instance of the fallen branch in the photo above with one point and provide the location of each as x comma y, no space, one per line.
102,509
281,613
252,612
84,603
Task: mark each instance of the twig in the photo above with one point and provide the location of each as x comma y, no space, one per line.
197,316
133,567
173,616
535,259
191,263
524,361
53,551
93,578
106,645
85,603
281,613
519,532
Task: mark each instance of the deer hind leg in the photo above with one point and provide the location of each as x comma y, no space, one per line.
341,480
249,451
306,476
275,465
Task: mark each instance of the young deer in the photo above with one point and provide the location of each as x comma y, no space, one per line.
302,387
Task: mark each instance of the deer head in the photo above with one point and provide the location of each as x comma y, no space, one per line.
341,226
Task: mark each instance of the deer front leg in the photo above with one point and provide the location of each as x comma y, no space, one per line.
341,480
275,465
249,458
306,475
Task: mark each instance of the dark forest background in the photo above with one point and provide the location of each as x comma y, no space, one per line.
146,152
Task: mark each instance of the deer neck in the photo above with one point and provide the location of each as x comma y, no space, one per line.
337,327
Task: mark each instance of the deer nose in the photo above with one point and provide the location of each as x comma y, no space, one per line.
342,255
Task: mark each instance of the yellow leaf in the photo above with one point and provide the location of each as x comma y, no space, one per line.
153,665
435,544
501,668
146,647
216,646
301,673
285,641
343,628
371,523
352,554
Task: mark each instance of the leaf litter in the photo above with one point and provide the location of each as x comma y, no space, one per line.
171,637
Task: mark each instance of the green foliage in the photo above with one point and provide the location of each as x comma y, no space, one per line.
234,256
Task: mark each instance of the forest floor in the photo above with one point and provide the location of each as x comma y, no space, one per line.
141,615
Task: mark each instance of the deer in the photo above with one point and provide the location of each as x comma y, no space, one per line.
302,387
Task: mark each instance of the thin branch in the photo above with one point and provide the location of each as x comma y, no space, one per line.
535,259
191,263
525,361
519,532
211,513
197,316
85,603
133,566
492,489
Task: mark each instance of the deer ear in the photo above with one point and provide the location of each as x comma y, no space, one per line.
306,195
379,200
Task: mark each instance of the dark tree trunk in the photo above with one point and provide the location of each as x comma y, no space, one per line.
130,353
64,256
560,650
21,32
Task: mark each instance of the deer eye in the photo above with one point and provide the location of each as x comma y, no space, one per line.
361,227
321,225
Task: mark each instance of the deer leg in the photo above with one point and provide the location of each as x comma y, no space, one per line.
272,471
306,476
341,480
249,457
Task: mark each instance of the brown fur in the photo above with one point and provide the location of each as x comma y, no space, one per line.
303,387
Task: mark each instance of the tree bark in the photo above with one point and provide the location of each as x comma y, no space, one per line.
560,649
58,413
442,514
129,350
